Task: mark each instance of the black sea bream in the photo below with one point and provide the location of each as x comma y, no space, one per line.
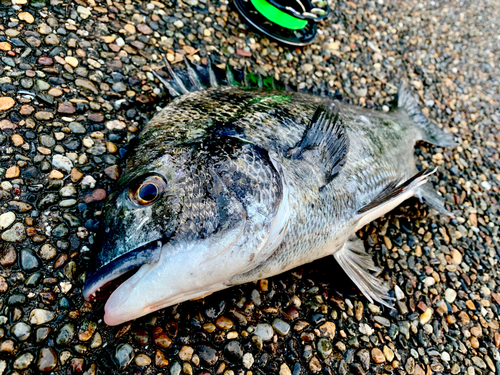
229,185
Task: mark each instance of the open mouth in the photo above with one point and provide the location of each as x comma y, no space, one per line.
100,284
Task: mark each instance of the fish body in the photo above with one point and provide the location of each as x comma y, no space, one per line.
229,185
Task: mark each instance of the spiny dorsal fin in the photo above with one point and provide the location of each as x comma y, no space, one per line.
358,265
173,92
175,77
211,73
193,76
230,76
325,141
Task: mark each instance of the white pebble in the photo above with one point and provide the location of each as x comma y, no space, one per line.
248,360
62,162
265,331
450,295
399,293
486,185
6,219
6,185
429,281
89,181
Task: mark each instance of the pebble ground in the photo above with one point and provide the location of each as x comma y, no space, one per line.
75,88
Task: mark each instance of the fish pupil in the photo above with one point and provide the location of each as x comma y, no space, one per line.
148,192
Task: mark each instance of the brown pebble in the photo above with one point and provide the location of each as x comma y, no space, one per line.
63,258
8,255
111,147
3,285
161,338
377,356
47,360
86,331
76,175
96,117
66,108
20,206
5,46
160,360
6,103
45,60
76,366
123,330
95,196
142,360
55,175
470,305
327,330
144,29
17,140
476,331
419,370
12,172
496,338
315,365
112,172
141,336
7,347
6,124
55,92
474,342
33,42
26,110
38,238
209,327
224,323
44,115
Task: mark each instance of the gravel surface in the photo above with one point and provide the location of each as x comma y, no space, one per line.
75,89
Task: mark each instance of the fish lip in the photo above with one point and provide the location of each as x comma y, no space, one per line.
127,263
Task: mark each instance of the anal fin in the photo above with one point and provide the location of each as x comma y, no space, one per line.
360,268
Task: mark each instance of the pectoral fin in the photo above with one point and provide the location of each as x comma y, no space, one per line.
360,267
324,142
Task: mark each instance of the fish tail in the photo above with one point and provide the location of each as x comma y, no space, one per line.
429,132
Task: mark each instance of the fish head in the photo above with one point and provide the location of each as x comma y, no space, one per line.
185,224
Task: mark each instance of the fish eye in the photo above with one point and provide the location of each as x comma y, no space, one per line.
147,191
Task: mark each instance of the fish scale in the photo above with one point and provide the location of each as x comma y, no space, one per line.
256,182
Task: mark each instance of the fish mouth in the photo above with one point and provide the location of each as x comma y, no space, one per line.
100,284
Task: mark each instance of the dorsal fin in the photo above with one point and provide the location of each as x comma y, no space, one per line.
175,77
325,141
211,73
193,76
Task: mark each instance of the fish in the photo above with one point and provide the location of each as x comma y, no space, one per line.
239,178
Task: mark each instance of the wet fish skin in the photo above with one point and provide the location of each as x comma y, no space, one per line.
237,205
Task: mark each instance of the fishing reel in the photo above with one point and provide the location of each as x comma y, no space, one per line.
292,22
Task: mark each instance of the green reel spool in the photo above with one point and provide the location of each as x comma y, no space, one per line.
277,16
291,22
